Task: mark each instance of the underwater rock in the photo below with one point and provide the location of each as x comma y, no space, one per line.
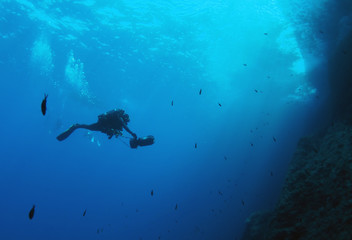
315,202
340,80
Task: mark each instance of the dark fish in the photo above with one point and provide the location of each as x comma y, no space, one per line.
225,158
255,90
274,139
321,31
266,34
172,102
176,207
31,212
85,211
44,104
220,193
102,230
219,104
195,145
200,92
98,231
152,193
242,202
271,173
251,144
137,210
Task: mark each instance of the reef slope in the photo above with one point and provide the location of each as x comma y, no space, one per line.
316,200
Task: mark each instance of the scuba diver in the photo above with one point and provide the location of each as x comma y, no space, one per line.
111,123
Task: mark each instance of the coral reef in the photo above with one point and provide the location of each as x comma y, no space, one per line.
316,200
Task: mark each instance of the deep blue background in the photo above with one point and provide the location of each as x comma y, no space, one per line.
93,56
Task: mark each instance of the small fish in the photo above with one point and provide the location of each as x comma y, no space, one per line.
255,90
266,34
44,104
31,212
98,231
242,202
220,193
274,139
219,104
245,64
271,173
102,230
200,92
321,31
152,193
172,102
176,207
85,211
251,144
195,145
225,158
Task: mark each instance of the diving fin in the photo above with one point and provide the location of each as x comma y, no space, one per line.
67,133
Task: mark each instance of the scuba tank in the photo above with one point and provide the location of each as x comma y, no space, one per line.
144,141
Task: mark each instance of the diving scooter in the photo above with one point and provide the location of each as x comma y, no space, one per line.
144,141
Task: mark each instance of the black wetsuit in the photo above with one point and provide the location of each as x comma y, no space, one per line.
111,123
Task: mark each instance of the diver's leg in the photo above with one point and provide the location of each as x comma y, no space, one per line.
92,127
67,133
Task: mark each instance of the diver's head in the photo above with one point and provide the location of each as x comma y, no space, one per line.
126,118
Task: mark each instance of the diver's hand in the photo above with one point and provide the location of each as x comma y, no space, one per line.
134,135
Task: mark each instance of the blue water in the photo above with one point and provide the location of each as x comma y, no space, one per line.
262,61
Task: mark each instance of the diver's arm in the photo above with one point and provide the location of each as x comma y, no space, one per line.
128,130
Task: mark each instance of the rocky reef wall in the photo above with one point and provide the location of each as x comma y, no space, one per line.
316,199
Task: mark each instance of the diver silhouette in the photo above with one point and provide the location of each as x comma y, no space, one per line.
111,123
